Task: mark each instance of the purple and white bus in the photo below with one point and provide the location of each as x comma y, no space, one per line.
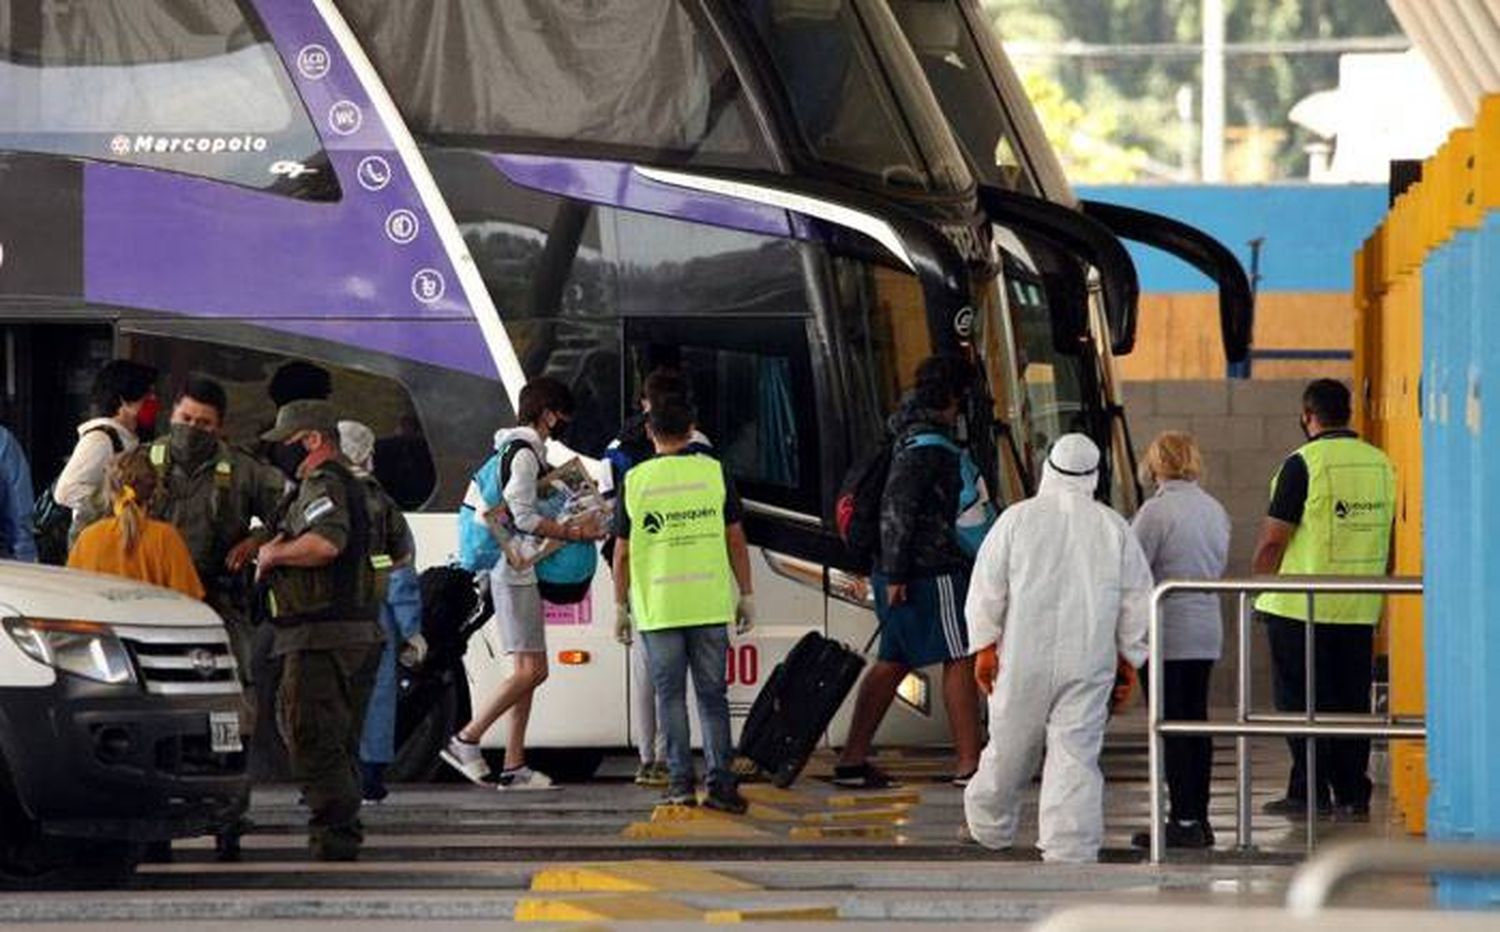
435,200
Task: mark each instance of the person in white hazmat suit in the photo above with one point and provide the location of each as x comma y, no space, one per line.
1060,589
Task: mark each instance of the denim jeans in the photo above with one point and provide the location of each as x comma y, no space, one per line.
673,653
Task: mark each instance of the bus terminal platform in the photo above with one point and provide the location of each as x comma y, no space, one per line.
604,852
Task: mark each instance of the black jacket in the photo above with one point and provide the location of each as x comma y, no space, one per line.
920,504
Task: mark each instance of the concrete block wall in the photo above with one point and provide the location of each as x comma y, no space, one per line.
1245,429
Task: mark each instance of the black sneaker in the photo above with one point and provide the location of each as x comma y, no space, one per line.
1296,809
1187,835
862,777
681,795
1350,812
726,799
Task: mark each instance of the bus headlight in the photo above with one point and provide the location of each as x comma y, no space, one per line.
78,647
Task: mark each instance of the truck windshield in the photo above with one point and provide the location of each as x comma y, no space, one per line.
856,92
956,69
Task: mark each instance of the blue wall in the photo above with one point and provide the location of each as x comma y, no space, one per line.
1311,231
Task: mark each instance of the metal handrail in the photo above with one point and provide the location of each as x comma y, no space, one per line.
1319,879
1246,725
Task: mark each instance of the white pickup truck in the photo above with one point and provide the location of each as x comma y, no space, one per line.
120,713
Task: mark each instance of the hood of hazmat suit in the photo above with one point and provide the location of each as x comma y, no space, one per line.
1062,586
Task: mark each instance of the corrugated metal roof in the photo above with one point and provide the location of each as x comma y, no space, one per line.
1461,38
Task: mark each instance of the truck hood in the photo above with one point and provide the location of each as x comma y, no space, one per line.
33,591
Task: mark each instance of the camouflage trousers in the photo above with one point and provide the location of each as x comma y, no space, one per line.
323,698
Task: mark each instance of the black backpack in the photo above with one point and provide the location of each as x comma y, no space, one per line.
50,522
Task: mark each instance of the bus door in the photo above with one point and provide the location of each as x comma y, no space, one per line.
46,371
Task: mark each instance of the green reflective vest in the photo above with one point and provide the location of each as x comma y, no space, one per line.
1345,529
680,575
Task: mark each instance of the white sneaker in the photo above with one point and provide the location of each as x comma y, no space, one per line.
524,778
467,759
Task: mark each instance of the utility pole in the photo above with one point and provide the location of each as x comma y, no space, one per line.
1213,91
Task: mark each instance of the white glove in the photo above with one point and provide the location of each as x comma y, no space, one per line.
744,615
623,633
414,651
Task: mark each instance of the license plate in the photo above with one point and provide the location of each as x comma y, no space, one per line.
224,732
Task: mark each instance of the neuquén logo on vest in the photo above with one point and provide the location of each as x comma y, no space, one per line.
656,522
1343,509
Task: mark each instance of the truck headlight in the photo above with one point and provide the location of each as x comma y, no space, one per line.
79,647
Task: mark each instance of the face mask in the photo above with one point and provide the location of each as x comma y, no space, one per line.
288,458
191,445
559,430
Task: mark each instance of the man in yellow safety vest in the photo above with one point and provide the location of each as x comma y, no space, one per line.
1333,505
682,575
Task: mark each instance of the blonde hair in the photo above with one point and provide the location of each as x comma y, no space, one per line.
1174,455
131,481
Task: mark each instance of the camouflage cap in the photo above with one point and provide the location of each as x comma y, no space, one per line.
297,416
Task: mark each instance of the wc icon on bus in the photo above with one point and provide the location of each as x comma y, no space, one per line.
345,118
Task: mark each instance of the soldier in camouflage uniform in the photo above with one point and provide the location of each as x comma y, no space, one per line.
210,492
325,577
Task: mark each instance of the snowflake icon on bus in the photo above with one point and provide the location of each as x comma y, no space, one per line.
428,286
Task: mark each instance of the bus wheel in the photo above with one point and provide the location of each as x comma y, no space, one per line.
417,750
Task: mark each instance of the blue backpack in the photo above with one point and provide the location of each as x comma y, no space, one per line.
976,511
563,576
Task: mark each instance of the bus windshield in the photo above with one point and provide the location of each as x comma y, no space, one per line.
857,94
1053,382
955,68
641,80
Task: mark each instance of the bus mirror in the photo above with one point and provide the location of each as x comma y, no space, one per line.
1083,237
1202,252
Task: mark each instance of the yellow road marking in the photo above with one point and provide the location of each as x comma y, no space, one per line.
756,812
701,828
787,914
826,832
892,814
635,876
883,798
606,908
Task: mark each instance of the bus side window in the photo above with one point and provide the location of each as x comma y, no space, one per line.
196,88
753,391
404,461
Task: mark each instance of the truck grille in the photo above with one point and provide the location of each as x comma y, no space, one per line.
183,661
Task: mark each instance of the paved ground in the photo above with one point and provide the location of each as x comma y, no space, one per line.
458,856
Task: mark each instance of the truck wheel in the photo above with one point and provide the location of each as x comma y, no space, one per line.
417,750
30,860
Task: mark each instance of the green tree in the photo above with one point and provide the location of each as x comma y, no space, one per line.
1140,87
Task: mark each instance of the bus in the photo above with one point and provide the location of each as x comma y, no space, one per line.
433,204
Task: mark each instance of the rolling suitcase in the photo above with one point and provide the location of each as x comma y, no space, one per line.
795,706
